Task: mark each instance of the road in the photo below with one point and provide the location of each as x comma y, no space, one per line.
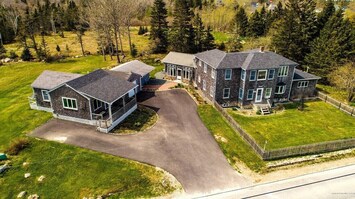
335,183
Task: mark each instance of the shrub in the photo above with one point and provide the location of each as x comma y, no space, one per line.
134,51
13,55
17,146
26,55
58,48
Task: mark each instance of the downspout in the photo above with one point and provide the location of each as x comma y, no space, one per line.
293,75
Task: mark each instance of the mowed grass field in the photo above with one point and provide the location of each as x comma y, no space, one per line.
70,172
319,122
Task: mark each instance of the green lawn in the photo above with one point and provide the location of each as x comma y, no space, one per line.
71,172
319,122
335,93
232,145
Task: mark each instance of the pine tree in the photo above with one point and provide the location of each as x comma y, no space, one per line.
256,26
278,11
134,51
324,16
208,40
159,27
241,22
26,54
333,47
199,32
182,35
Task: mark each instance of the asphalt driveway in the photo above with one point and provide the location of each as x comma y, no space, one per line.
179,143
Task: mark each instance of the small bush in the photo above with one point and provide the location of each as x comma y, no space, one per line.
26,55
17,146
13,55
258,112
134,51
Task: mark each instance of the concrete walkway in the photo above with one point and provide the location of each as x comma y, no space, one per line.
179,143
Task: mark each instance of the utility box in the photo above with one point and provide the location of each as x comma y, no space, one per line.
3,156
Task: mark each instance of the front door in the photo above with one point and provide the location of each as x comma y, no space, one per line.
179,72
259,95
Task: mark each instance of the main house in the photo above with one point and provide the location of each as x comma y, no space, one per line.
102,98
248,78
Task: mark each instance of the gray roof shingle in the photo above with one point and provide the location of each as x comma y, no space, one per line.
134,66
51,79
301,75
182,59
102,85
252,59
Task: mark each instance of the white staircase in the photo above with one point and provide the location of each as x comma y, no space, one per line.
265,110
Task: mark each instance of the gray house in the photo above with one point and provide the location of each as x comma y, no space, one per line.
101,98
180,66
251,78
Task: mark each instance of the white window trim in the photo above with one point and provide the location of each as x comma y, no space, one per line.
204,86
224,91
282,90
199,79
213,73
204,67
255,77
273,76
258,75
268,96
261,95
225,74
252,95
283,71
49,97
241,97
68,98
98,104
212,91
241,74
302,84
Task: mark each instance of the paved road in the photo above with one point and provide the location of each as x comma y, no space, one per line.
179,143
336,184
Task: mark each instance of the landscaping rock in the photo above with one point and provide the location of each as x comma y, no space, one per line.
3,168
41,178
25,164
21,194
27,175
157,60
33,196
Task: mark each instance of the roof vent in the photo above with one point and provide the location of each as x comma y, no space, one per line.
262,49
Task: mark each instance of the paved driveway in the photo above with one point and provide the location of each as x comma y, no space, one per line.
179,143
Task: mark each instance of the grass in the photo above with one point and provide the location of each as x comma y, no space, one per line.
140,120
335,93
319,122
71,172
232,145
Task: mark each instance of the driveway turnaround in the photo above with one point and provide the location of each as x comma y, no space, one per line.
178,143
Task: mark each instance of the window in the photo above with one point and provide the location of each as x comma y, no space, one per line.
250,94
204,85
283,71
228,74
97,104
262,74
241,93
271,74
131,93
302,84
45,96
242,75
213,73
280,89
226,93
252,75
199,63
69,103
199,79
204,67
268,93
212,91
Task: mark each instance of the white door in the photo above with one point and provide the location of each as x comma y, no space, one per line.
179,73
259,95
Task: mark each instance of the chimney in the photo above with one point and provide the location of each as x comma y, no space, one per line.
262,48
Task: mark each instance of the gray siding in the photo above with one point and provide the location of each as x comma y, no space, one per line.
233,84
210,82
307,92
288,81
39,98
83,103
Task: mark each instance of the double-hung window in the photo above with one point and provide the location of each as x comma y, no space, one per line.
226,93
97,104
268,93
213,73
241,93
69,103
302,84
204,67
212,91
204,85
280,89
242,75
271,74
199,79
262,74
250,94
252,75
228,74
45,96
283,71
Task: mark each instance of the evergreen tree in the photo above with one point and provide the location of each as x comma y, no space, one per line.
199,32
26,54
159,27
256,26
182,35
278,11
134,51
58,48
208,40
2,50
234,44
333,47
324,16
241,22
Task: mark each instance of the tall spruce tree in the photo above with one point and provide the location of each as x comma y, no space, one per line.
324,16
256,26
182,34
333,47
159,27
208,40
241,22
